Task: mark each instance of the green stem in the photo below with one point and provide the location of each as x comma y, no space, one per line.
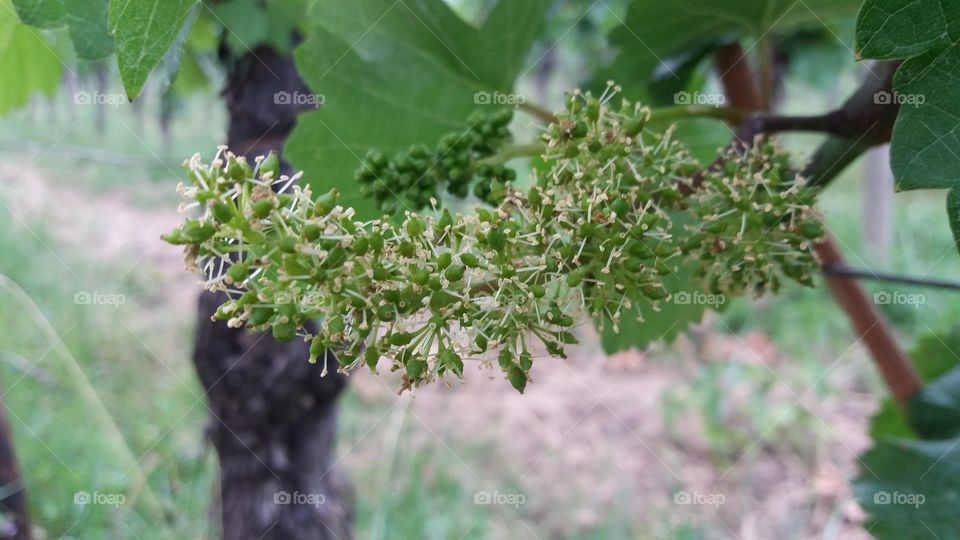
688,112
540,112
508,153
832,157
665,114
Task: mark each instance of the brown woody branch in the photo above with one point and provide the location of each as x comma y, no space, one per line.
863,121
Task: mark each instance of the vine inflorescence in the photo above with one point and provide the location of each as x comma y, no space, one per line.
412,179
594,235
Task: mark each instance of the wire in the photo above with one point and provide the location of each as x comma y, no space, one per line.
843,270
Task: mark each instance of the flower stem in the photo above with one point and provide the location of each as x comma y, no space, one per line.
666,114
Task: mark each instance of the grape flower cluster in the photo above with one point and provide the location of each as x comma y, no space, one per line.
592,236
412,178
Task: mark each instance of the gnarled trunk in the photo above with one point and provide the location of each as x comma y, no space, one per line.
273,416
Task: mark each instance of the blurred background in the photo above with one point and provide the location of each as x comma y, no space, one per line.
759,411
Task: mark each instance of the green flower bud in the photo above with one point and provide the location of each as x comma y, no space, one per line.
415,368
336,324
415,227
454,273
444,260
360,246
316,349
505,359
371,356
538,291
407,249
518,378
400,339
481,343
326,202
496,239
238,272
224,211
284,332
452,361
195,232
311,232
270,164
526,360
288,245
470,260
262,208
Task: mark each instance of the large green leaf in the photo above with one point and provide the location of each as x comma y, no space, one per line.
143,31
41,13
657,32
935,411
27,62
923,152
911,489
953,212
87,21
398,73
932,356
901,29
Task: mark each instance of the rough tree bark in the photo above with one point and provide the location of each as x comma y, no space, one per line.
14,522
272,414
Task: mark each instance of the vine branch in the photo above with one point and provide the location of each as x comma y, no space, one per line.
862,122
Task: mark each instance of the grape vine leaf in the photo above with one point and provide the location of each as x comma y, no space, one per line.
890,29
246,22
656,32
911,488
924,152
925,33
27,62
932,356
674,316
41,13
87,21
143,32
953,212
252,22
394,74
935,411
